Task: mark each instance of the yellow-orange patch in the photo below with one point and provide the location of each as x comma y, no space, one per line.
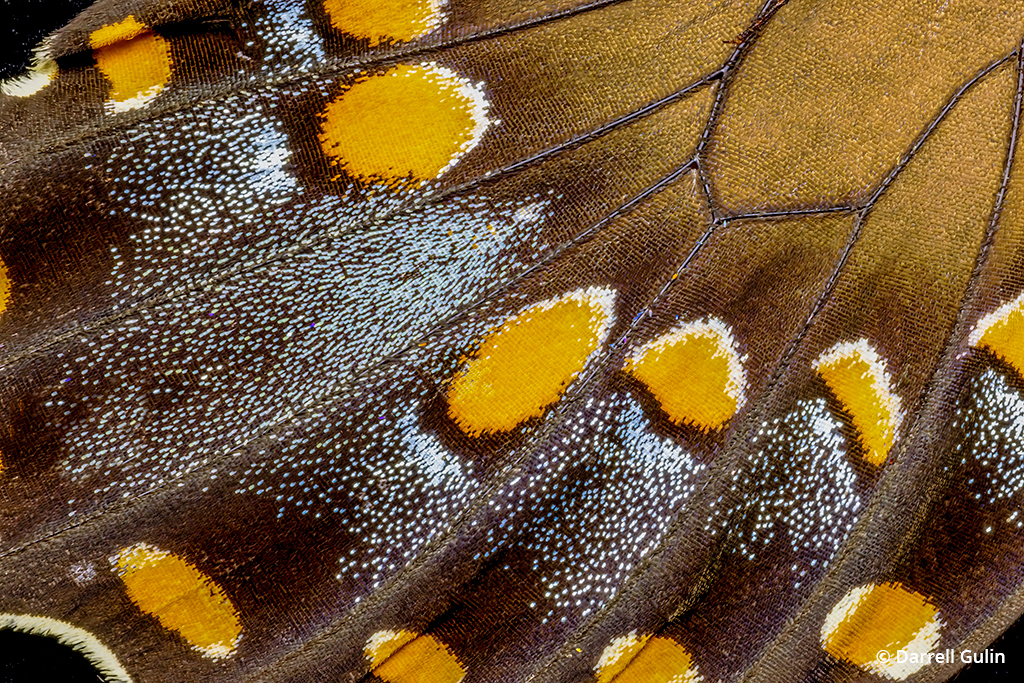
5,288
694,372
408,125
419,659
527,364
646,660
137,62
381,21
880,617
857,376
118,32
1002,333
181,597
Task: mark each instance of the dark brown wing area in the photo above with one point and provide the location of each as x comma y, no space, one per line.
427,341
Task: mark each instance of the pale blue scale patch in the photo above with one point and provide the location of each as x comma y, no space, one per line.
617,509
206,188
291,42
408,484
801,485
992,421
180,383
375,292
650,455
427,473
230,158
436,464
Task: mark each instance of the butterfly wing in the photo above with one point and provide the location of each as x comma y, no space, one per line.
425,341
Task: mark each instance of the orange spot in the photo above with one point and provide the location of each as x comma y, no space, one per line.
881,617
181,597
1002,333
119,32
646,660
857,376
408,658
410,124
381,21
527,364
136,62
694,373
5,288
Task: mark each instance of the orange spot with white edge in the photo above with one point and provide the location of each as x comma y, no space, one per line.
632,659
409,125
136,61
181,597
388,20
858,378
882,617
527,364
1002,333
404,657
694,372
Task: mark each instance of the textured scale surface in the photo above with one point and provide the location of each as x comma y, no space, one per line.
429,341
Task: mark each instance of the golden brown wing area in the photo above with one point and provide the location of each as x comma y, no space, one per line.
430,341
